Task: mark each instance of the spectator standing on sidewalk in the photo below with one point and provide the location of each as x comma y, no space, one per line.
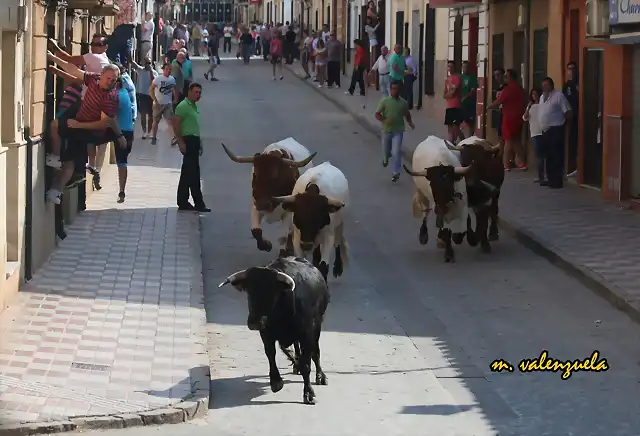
214,57
512,98
305,58
146,36
265,40
571,92
453,97
246,43
532,115
498,79
382,67
186,125
359,66
392,112
196,37
178,74
370,29
334,54
227,34
187,71
164,93
290,39
203,47
468,108
126,117
146,74
555,119
411,75
321,64
397,66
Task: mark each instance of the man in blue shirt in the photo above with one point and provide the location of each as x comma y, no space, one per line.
126,117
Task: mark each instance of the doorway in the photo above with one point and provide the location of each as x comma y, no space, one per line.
457,41
518,53
415,45
592,117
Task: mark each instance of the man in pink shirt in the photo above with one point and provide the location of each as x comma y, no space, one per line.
453,96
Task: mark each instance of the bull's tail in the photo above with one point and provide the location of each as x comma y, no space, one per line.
341,241
420,204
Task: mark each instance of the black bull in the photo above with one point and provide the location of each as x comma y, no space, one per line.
483,190
287,302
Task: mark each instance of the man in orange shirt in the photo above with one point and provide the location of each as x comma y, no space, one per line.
453,96
359,65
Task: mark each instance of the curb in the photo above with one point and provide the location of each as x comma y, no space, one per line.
614,295
194,406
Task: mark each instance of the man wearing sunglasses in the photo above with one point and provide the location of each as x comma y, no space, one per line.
94,62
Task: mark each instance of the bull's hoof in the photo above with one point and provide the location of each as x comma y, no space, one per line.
324,270
276,384
449,258
457,238
282,253
494,236
423,236
295,370
321,379
485,247
472,240
440,243
309,397
337,270
264,245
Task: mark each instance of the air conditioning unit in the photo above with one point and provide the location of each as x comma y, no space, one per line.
13,16
597,19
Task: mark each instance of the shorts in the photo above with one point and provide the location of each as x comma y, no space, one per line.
468,115
452,116
122,154
511,128
145,104
77,141
275,59
373,42
497,119
162,110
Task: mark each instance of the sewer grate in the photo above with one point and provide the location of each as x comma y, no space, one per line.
90,366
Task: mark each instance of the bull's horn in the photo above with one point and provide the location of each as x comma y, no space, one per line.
450,146
490,186
240,275
284,199
414,174
301,163
462,170
334,202
286,278
233,157
488,146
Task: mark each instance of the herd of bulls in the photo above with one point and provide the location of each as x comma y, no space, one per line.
288,298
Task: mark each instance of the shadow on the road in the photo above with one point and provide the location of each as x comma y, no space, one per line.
435,409
242,391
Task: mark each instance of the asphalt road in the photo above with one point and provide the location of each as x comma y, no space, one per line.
408,339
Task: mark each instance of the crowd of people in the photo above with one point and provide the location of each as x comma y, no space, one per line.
102,103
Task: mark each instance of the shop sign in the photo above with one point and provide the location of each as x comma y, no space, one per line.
624,11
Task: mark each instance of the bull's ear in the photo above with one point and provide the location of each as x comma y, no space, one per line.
257,154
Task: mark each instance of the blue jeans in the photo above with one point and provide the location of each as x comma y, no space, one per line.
384,84
392,147
541,159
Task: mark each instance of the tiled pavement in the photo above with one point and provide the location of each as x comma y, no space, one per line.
574,227
114,324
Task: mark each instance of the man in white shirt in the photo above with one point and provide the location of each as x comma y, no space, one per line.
382,67
228,32
164,94
146,36
555,115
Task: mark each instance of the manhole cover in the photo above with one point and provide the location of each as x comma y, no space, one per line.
90,366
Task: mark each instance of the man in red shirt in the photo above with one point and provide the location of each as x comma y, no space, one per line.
513,100
453,96
93,123
359,65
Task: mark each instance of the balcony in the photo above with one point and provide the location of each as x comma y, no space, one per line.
101,8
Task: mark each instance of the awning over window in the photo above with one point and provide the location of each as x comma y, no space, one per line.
453,3
101,8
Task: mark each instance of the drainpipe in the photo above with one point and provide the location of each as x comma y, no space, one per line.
527,46
488,78
28,206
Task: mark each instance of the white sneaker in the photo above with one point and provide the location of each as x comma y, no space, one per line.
319,85
573,173
144,136
54,196
53,161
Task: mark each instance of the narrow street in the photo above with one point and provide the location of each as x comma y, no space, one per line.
408,339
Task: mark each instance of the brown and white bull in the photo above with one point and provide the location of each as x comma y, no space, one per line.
317,203
275,172
483,187
440,186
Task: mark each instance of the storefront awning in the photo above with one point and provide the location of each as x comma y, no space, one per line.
453,3
624,38
101,8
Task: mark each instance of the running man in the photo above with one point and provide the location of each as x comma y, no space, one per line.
164,93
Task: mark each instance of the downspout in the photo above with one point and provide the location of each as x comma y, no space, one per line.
487,78
26,97
527,67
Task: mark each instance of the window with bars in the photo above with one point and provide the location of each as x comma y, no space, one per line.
429,51
540,43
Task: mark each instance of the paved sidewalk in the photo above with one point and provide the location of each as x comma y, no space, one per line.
114,324
574,228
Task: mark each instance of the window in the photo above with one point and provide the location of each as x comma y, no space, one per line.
457,42
429,51
540,41
399,26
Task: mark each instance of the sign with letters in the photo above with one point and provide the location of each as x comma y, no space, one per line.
624,12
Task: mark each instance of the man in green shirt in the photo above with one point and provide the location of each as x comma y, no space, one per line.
397,65
469,89
186,125
392,112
